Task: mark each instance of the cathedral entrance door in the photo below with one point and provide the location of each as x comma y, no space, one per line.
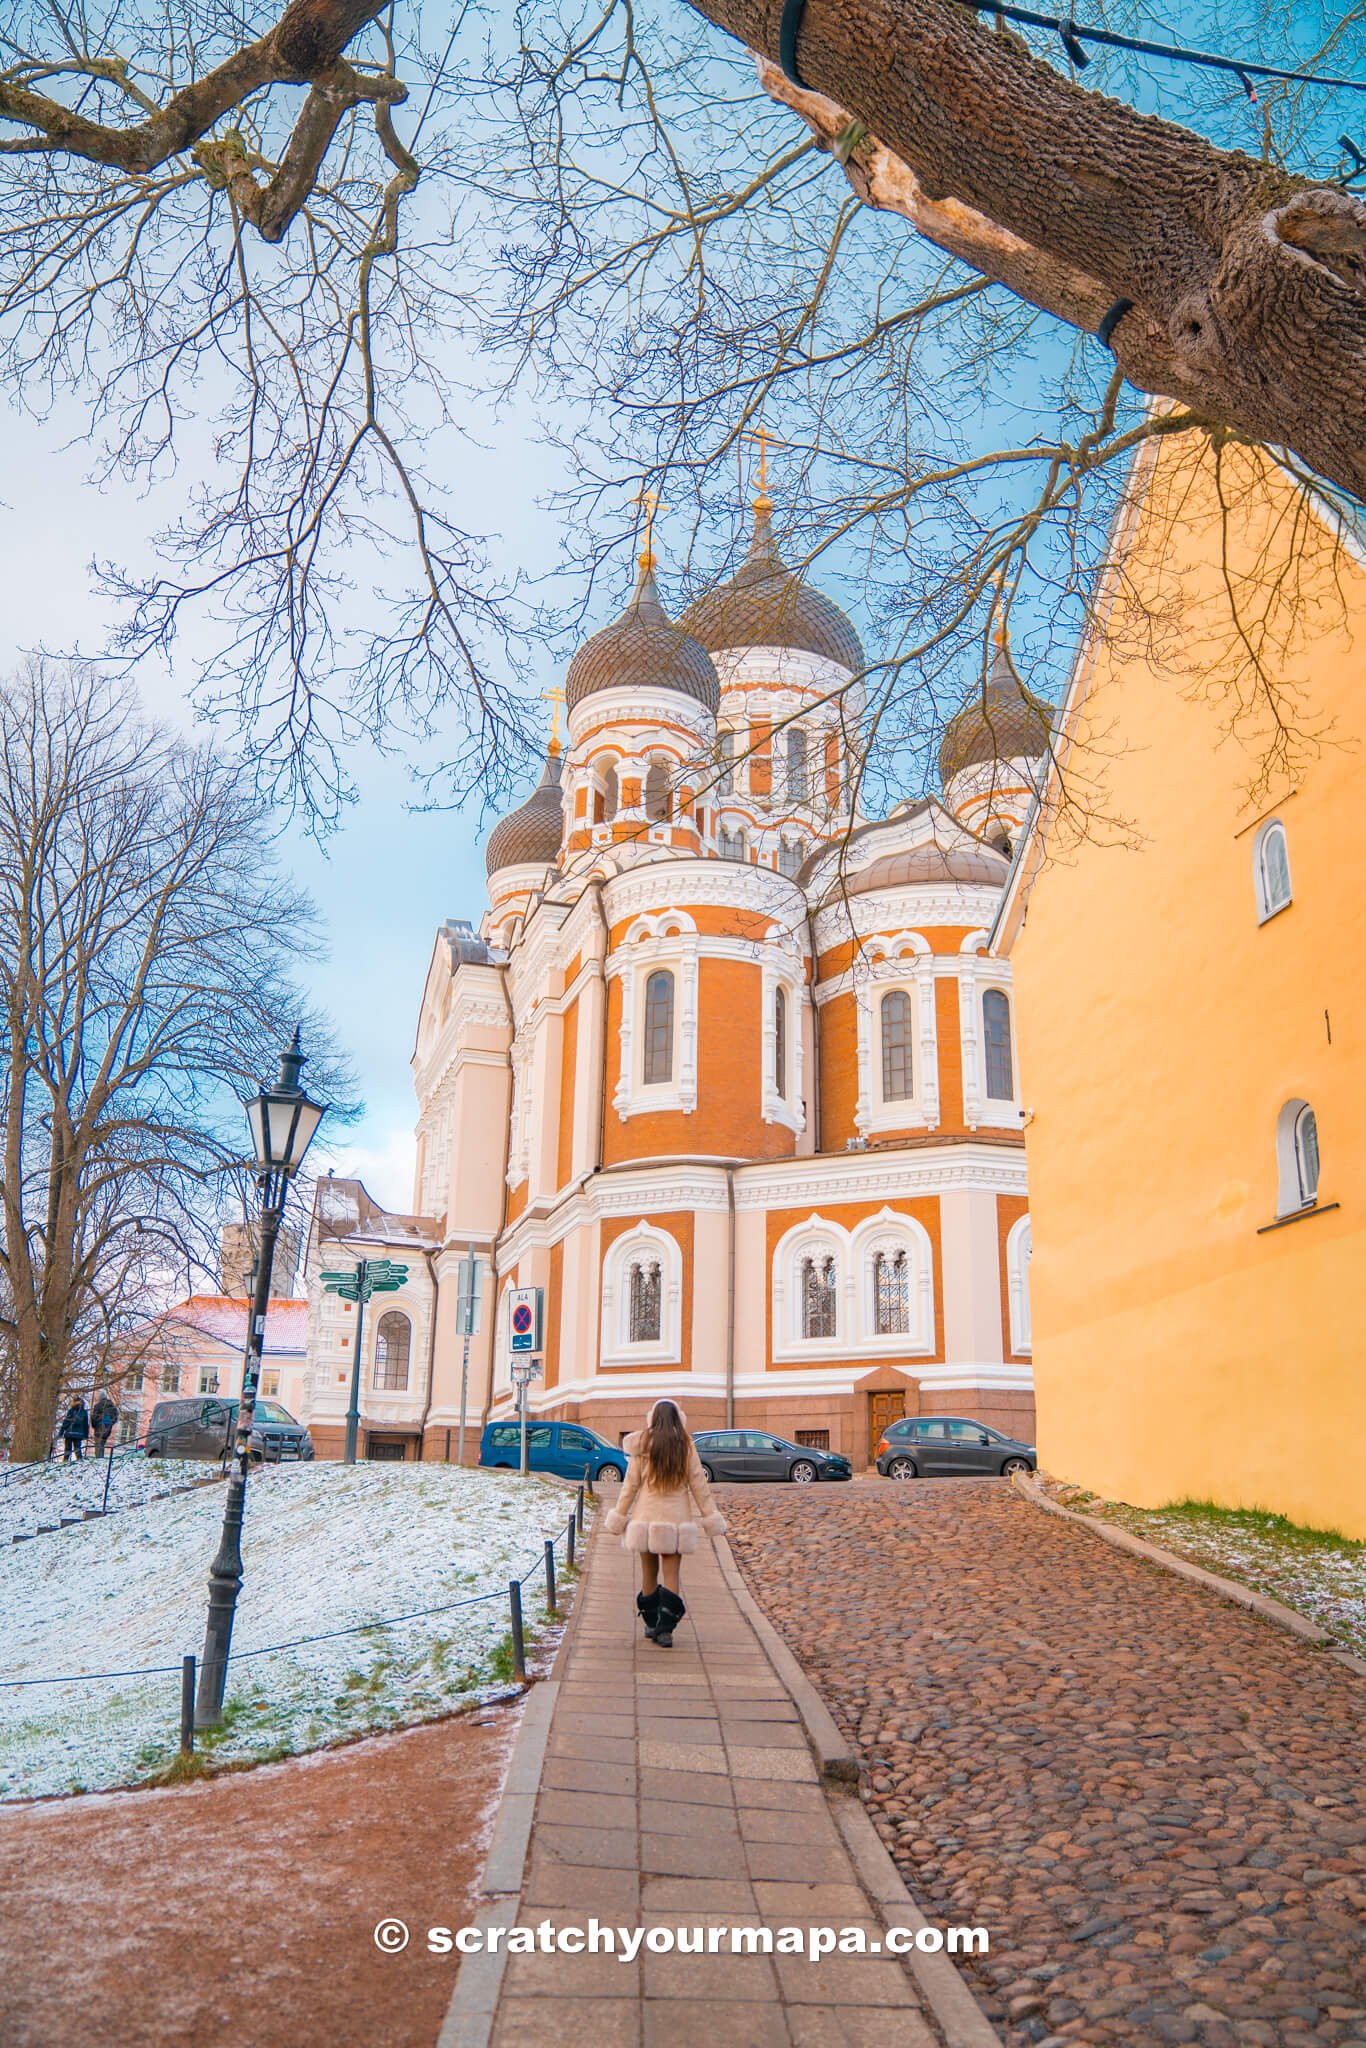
882,1410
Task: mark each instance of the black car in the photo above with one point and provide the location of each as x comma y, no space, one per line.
754,1454
204,1427
941,1446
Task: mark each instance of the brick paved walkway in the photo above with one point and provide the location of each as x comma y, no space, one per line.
1152,1799
678,1789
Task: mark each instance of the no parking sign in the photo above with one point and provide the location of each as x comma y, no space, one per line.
524,1318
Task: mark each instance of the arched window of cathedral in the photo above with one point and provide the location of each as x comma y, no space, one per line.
725,781
996,1037
780,1042
897,1073
818,1296
610,796
791,854
730,845
659,1027
891,1294
393,1342
657,803
1019,1251
1297,1152
644,1305
798,773
1271,870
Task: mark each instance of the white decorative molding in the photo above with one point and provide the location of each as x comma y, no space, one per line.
861,1177
691,880
854,1253
644,1242
675,951
1019,1247
976,975
909,904
900,960
782,968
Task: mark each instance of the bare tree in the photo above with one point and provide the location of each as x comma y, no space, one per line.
145,954
229,189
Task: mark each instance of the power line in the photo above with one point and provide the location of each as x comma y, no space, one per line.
1073,35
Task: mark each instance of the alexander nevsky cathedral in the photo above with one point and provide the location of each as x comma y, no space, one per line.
724,1068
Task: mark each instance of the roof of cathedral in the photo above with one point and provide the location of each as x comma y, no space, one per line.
643,649
933,863
1004,722
766,604
534,830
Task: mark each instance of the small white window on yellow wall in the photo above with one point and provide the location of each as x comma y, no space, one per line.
1271,870
1297,1158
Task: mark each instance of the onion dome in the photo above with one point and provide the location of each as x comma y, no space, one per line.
644,650
1004,722
532,833
766,604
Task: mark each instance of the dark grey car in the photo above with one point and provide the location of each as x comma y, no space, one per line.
942,1446
754,1454
203,1426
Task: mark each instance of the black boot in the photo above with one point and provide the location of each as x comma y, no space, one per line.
671,1612
647,1606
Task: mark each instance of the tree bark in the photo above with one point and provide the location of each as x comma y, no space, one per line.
1248,286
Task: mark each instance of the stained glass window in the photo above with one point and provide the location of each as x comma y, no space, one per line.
659,1027
897,1074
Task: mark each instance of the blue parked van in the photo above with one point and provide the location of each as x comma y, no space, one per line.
565,1448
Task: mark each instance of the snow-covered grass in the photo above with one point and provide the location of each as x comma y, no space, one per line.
37,1496
1316,1571
325,1547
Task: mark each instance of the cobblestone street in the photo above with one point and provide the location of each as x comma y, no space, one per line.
1151,1799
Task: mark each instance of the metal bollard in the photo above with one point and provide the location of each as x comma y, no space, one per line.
588,1480
186,1706
578,1510
569,1544
550,1575
108,1475
518,1639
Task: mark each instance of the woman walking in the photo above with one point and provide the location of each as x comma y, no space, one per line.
663,1486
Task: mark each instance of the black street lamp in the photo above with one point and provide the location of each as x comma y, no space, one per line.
283,1122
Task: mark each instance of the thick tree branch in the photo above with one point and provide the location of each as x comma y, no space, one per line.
1246,283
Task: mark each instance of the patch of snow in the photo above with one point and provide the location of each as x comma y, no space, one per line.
33,1497
324,1547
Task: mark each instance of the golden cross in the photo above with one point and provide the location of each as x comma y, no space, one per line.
554,698
649,501
766,441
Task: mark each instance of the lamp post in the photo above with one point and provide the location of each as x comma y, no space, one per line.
283,1122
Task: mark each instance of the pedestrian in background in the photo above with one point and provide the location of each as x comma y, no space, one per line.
664,1500
75,1430
103,1416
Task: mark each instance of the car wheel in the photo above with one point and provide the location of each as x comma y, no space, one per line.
709,1475
802,1473
608,1473
902,1468
1015,1465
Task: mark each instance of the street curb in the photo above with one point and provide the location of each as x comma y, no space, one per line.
469,2016
831,1750
1262,1604
957,2014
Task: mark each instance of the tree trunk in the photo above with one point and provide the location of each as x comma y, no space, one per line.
1248,286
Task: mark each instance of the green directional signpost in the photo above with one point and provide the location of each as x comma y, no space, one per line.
359,1283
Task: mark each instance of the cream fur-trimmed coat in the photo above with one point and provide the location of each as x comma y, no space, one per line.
647,1518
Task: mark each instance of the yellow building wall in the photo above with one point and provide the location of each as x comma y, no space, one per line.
1178,1353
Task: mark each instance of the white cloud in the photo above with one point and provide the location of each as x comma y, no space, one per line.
387,1167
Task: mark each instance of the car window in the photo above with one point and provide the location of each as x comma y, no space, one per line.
931,1431
725,1440
752,1441
214,1414
575,1440
273,1412
539,1439
966,1432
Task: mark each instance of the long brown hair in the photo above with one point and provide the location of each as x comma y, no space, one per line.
665,1446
